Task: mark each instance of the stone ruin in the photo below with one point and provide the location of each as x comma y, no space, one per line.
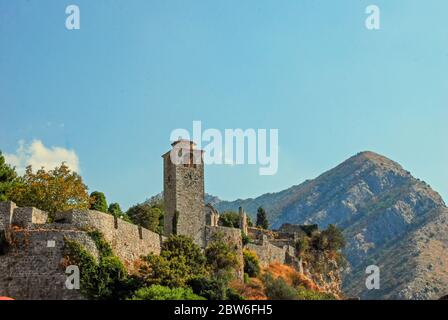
31,248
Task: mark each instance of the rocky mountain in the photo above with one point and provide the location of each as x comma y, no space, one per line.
390,219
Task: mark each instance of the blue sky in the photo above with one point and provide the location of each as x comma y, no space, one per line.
113,91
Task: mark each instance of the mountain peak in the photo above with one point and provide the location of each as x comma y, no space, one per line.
380,206
373,157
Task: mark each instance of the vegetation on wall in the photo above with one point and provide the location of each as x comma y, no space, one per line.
105,279
182,264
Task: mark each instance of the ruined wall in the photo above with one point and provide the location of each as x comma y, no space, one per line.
258,234
129,242
6,211
32,266
269,253
26,217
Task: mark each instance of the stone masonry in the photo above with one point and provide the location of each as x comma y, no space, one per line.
183,191
31,264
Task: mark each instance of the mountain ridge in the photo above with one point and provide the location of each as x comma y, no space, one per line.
379,205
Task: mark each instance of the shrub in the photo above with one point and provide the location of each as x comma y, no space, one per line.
244,238
106,279
251,263
278,289
306,294
157,292
222,259
211,289
302,245
232,294
180,260
335,238
229,219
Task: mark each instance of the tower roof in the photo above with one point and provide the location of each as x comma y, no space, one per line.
184,142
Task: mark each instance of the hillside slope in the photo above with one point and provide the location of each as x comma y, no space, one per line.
385,213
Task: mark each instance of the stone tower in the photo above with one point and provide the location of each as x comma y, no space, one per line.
183,191
243,220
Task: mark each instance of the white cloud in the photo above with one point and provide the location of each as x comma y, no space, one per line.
38,155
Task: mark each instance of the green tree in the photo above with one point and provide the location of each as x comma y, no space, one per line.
229,219
98,201
251,263
105,279
213,289
8,177
147,216
222,259
56,190
334,237
115,210
158,292
180,260
262,219
278,289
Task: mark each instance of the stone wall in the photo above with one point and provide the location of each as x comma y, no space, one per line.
26,217
32,267
6,211
269,253
129,242
258,234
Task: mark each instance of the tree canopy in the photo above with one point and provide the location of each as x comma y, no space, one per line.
98,201
8,177
147,215
115,210
262,219
55,190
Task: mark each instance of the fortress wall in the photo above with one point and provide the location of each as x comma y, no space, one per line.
268,253
256,233
129,242
6,211
26,217
34,267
